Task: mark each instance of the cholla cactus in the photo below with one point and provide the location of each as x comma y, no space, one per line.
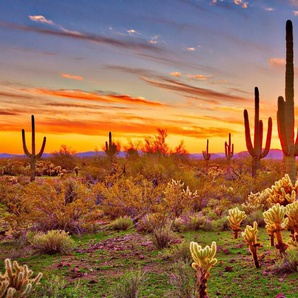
203,261
177,198
283,191
293,242
250,237
292,214
235,218
276,222
16,282
256,201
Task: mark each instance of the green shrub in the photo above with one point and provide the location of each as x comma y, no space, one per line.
181,278
54,241
162,237
288,264
129,285
121,223
179,252
56,287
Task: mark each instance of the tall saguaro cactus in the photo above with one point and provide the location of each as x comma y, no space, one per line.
285,112
111,148
33,156
255,150
206,153
229,150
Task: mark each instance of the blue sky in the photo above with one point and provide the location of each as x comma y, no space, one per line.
85,68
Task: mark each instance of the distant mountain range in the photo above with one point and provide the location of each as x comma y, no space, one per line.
273,154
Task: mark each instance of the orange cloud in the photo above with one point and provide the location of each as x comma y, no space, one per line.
277,62
199,77
106,98
72,77
175,74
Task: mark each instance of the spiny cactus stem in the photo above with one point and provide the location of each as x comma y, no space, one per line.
201,280
236,233
280,245
254,251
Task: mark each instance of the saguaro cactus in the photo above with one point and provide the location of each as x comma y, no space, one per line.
256,150
285,112
33,156
203,261
111,148
229,150
206,153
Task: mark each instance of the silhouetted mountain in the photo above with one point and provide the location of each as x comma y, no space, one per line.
273,154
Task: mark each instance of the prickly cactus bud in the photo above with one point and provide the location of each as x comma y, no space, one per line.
292,214
275,218
235,218
250,233
203,257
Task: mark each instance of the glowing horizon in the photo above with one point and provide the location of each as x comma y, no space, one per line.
185,67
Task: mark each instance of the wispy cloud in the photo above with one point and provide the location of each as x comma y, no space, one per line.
72,77
199,77
120,43
208,95
93,96
41,19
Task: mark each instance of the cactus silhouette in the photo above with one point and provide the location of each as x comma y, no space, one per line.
255,150
33,156
111,148
229,150
285,112
206,153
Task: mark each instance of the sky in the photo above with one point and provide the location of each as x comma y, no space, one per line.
87,67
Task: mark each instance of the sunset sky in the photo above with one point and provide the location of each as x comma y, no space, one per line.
85,68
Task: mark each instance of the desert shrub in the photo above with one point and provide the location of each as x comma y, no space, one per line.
181,278
50,206
150,221
288,264
179,252
129,286
57,287
220,224
128,197
52,242
162,237
121,224
257,216
178,224
177,198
